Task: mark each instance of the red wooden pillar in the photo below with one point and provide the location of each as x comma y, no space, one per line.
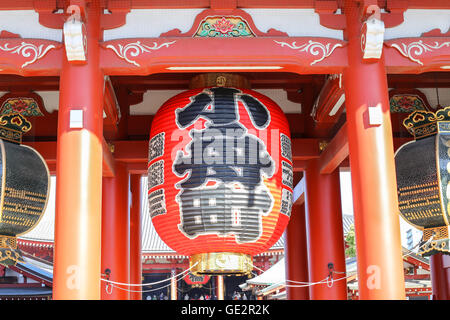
173,285
325,233
116,233
135,235
440,276
296,254
79,172
220,293
375,203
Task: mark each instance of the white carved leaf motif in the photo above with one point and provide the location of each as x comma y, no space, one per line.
28,50
75,40
134,49
372,39
312,47
415,49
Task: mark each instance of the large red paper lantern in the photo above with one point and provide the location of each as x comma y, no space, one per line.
220,176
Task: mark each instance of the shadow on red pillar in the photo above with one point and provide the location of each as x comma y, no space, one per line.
371,154
440,276
324,233
296,254
220,288
135,235
116,233
79,170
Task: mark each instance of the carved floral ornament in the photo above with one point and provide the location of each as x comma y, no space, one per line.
313,48
27,50
130,51
224,27
413,50
27,106
134,49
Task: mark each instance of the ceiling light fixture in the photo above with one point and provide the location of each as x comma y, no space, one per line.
225,68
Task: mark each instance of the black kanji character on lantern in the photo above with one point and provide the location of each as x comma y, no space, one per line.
224,108
231,157
223,153
223,210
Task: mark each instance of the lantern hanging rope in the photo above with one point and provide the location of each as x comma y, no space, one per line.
150,283
324,281
140,291
329,280
113,284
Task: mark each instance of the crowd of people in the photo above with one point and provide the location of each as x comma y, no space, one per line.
235,296
200,297
161,296
239,296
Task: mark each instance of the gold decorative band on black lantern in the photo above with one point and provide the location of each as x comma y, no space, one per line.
8,242
436,240
9,254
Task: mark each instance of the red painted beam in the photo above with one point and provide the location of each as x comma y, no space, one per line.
177,4
305,149
285,54
111,108
137,167
138,126
417,276
187,54
48,151
135,153
300,165
108,161
335,153
131,151
46,63
329,104
416,262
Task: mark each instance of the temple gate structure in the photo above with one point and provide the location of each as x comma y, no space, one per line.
92,73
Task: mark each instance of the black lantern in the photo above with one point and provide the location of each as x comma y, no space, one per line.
423,178
24,189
